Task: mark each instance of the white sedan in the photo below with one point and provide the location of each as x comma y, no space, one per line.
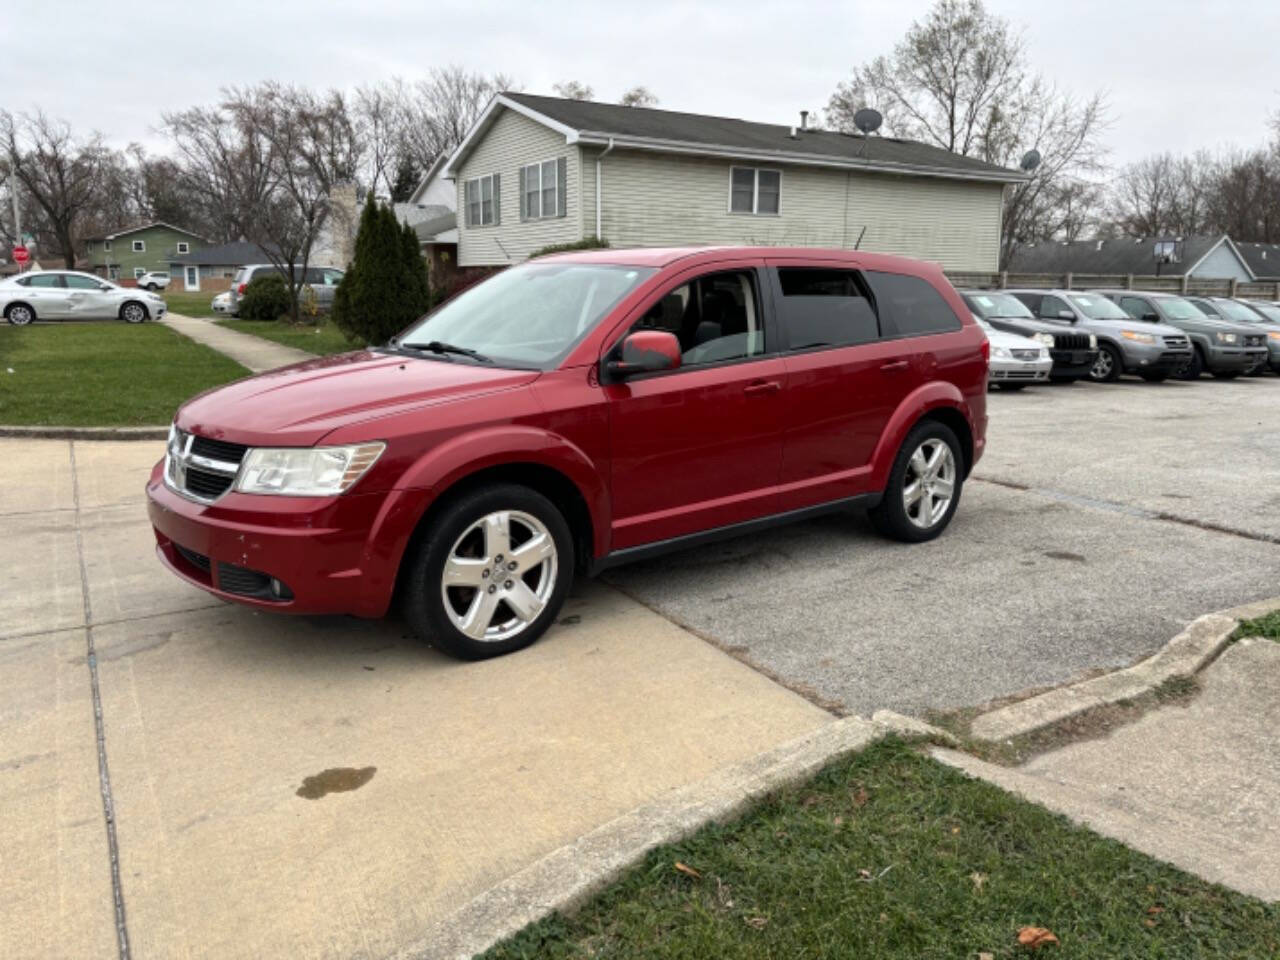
70,295
1015,361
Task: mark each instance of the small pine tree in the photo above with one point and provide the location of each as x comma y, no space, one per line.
384,290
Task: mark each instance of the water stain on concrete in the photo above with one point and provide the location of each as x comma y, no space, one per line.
335,780
1065,555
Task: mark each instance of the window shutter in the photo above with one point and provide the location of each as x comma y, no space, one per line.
497,200
562,177
524,204
464,186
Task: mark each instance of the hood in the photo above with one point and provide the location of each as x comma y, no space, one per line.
1011,341
1138,326
1033,325
299,405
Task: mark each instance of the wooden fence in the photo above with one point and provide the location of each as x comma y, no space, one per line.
1194,286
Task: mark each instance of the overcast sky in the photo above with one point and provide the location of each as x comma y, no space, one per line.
1178,74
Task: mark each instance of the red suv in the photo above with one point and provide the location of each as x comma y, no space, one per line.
570,414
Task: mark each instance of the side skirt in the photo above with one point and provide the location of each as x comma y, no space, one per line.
863,501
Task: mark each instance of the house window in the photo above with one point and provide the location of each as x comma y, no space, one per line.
138,271
106,246
184,247
483,198
139,246
542,188
755,190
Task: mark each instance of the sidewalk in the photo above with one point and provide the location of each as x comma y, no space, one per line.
1195,784
304,786
253,352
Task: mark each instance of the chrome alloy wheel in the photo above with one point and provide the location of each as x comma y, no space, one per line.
20,315
499,575
134,313
930,483
1102,366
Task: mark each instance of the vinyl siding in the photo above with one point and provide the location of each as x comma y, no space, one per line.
512,142
652,199
1221,264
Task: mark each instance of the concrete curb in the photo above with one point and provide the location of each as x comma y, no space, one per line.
1183,656
564,879
86,433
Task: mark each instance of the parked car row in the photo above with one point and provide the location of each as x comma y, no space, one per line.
71,295
1101,334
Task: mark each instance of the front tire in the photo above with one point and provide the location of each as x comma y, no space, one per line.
1109,365
490,573
924,485
1194,367
19,314
133,312
152,287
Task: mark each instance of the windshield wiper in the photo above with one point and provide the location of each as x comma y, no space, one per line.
436,346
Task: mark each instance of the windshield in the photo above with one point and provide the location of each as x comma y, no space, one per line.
1236,311
1268,311
1000,305
531,315
1099,308
1180,309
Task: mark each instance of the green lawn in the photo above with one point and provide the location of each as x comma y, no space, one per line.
890,855
1268,626
102,374
189,304
323,338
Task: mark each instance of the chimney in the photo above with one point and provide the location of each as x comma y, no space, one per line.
804,119
793,135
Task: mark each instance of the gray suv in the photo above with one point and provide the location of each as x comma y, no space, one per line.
1225,349
322,280
1153,351
1242,311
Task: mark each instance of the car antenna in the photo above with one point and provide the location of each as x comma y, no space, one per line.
861,233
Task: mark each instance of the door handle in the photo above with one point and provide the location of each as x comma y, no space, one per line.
895,366
760,387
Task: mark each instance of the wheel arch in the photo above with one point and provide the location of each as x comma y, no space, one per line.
146,314
35,314
939,400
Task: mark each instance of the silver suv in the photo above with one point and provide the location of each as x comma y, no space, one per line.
323,281
1242,311
1225,349
1153,351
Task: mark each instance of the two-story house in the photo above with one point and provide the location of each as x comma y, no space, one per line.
128,254
535,171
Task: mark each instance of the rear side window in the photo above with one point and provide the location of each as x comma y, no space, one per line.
1051,308
44,280
911,306
1135,307
825,308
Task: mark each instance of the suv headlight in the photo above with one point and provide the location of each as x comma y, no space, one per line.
1000,353
1093,341
306,471
1044,338
1274,334
1225,337
1137,337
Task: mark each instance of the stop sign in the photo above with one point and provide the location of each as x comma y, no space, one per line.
20,255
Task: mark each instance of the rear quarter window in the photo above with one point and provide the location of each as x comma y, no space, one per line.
911,306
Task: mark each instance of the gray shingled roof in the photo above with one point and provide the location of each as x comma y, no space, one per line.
1263,259
427,229
227,254
588,116
1121,256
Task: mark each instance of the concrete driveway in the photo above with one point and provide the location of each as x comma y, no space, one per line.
1102,519
302,787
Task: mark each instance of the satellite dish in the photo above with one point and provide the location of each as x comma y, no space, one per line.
867,120
1030,160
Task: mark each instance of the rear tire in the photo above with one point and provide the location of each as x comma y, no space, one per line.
459,574
916,484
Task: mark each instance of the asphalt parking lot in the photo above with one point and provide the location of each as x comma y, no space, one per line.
329,787
1101,520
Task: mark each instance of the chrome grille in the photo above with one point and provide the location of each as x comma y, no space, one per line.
1176,341
200,468
1254,340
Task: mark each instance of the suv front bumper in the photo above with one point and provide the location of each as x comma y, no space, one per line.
1153,357
1227,359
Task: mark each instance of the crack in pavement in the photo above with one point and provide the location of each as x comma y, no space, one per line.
104,773
1143,513
136,618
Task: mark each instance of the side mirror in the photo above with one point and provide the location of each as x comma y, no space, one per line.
645,351
1151,317
1066,315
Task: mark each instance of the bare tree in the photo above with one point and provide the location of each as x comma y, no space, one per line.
1243,199
959,79
573,90
60,173
379,112
1162,194
638,97
436,113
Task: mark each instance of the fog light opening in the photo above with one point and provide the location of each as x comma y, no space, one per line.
279,590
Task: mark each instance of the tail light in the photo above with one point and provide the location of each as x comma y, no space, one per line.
240,289
986,351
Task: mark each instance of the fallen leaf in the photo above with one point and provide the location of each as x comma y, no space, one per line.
979,879
755,923
864,874
859,797
1149,922
986,956
1154,910
810,800
955,829
837,820
685,868
1035,937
